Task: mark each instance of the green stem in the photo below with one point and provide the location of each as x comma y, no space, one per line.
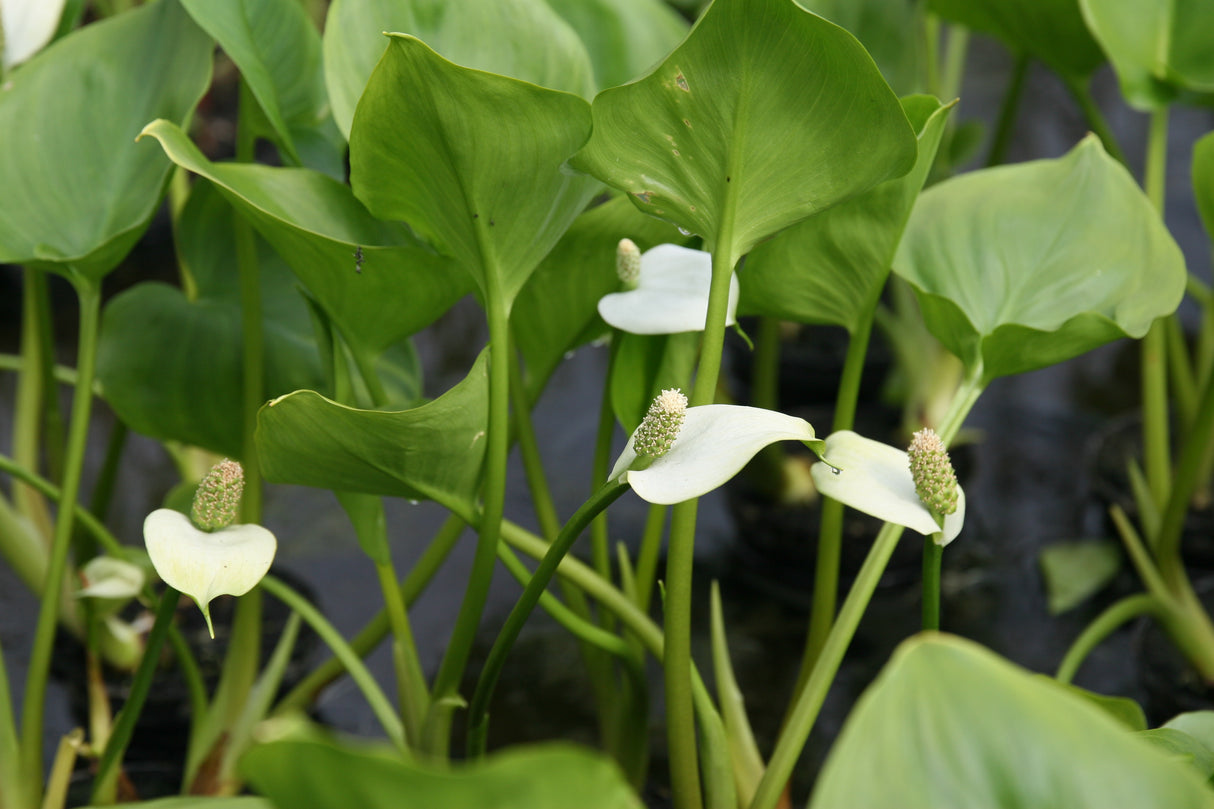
809,701
1007,112
451,670
600,551
1157,462
414,696
105,785
252,338
89,293
32,396
647,557
478,710
765,375
10,750
377,628
1104,625
1095,118
376,699
932,555
830,525
1187,477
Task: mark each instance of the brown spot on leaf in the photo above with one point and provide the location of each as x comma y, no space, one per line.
680,81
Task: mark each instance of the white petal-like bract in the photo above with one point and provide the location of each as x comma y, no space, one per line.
28,26
671,295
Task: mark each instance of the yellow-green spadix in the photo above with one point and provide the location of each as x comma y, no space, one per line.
876,478
712,445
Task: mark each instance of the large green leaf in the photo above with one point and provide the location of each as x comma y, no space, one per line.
831,267
1159,48
277,50
524,39
434,451
471,160
77,188
1203,181
764,115
171,367
319,775
885,27
1052,31
556,311
316,224
625,38
948,723
1019,267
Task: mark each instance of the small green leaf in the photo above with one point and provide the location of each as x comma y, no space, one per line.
434,451
472,161
1075,571
949,723
831,267
1023,266
1159,48
323,775
78,189
752,124
277,50
499,36
1052,31
1123,709
317,225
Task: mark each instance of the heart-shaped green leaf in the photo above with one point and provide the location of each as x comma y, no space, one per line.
471,160
624,37
831,267
171,367
948,723
1159,48
556,310
322,775
1052,31
764,115
883,27
78,189
434,451
524,39
277,50
1019,267
317,225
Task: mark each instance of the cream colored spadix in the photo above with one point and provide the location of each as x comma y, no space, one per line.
203,565
671,294
875,478
27,26
713,444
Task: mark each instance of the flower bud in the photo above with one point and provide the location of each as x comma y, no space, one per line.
935,482
660,427
217,500
628,263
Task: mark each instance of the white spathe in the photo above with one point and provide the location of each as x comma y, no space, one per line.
203,565
671,295
107,577
875,478
713,445
28,26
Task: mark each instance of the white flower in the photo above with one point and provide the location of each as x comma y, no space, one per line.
107,577
671,294
203,565
875,478
27,25
713,444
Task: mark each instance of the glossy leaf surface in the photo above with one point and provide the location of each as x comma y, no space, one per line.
77,187
498,36
319,775
1023,266
949,723
1052,31
277,50
1159,48
472,161
764,115
317,225
831,267
624,38
434,451
883,27
171,367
